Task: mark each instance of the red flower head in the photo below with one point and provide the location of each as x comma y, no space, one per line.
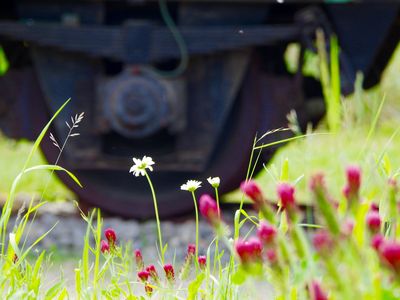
374,221
252,190
353,174
266,233
322,241
286,195
110,236
153,272
374,207
202,261
209,209
377,241
249,251
139,259
316,292
143,275
347,227
104,247
390,253
271,256
191,250
317,182
169,272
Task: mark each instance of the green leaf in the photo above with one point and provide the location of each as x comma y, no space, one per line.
285,170
194,286
239,277
54,291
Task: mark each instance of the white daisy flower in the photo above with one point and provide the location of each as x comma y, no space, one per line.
191,185
214,181
140,166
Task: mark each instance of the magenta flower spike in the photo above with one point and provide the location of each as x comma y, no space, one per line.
322,241
153,272
202,260
377,241
266,233
253,191
286,195
143,275
191,250
209,209
139,259
374,221
249,251
316,291
390,253
104,247
110,236
169,272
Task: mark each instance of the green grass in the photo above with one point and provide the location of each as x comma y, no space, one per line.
12,158
351,145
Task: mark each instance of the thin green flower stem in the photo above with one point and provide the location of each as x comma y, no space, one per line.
157,217
216,253
197,226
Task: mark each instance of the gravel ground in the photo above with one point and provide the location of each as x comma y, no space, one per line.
68,234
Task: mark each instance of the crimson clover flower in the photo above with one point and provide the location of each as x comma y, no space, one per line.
316,291
249,251
153,272
139,259
104,246
169,272
209,209
390,253
252,190
373,221
266,233
110,236
143,275
286,195
202,260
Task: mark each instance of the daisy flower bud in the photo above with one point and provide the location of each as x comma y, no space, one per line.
110,236
104,247
209,209
191,185
374,221
316,291
214,181
139,259
143,275
169,272
252,190
202,260
266,233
